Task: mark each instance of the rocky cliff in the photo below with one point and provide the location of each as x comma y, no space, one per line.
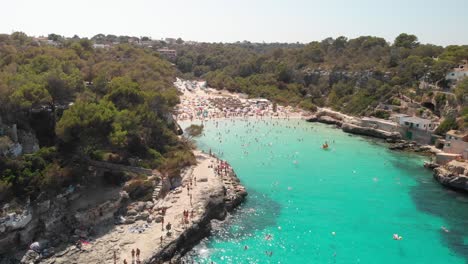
351,124
217,206
454,175
368,131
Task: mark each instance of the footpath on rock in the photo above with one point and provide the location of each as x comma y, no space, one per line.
173,224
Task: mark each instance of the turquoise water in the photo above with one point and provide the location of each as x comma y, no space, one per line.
300,194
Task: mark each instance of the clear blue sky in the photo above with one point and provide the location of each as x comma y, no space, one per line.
433,21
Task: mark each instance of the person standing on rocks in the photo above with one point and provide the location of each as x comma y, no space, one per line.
168,227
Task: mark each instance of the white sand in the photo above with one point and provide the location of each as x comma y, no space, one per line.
197,100
122,241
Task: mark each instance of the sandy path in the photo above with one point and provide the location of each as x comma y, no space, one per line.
177,201
121,240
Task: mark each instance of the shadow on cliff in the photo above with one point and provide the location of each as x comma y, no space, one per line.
451,206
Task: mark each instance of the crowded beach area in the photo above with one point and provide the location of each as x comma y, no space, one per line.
169,222
198,101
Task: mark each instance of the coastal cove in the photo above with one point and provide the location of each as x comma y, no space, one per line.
342,205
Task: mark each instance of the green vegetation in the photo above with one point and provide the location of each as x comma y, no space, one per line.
349,75
111,104
446,125
194,130
461,92
84,103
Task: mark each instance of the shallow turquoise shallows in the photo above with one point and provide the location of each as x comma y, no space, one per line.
341,205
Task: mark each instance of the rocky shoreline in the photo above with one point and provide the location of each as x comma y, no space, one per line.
217,206
109,230
453,175
355,125
352,125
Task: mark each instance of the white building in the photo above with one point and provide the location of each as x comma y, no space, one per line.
456,142
458,73
168,53
101,46
417,123
397,117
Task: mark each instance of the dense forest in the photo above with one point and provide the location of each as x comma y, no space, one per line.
349,75
83,103
113,104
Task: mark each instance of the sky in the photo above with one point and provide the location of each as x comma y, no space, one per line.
433,21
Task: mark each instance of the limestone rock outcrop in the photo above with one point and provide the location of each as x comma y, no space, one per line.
367,131
454,175
217,205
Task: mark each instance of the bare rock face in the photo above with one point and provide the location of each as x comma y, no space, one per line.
142,216
367,131
132,212
454,175
217,204
54,220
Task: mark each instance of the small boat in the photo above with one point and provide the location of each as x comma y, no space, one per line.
325,146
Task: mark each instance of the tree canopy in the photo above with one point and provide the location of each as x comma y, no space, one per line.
84,103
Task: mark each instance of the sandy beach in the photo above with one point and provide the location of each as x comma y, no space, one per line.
199,102
200,183
175,215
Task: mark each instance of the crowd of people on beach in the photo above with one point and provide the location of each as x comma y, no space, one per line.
202,103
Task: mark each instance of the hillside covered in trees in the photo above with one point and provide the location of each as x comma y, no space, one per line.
349,75
83,104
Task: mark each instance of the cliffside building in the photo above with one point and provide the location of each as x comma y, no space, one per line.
458,73
416,128
417,123
456,142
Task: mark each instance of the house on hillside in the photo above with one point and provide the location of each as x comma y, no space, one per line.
168,53
458,73
101,46
456,142
397,117
418,123
416,128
